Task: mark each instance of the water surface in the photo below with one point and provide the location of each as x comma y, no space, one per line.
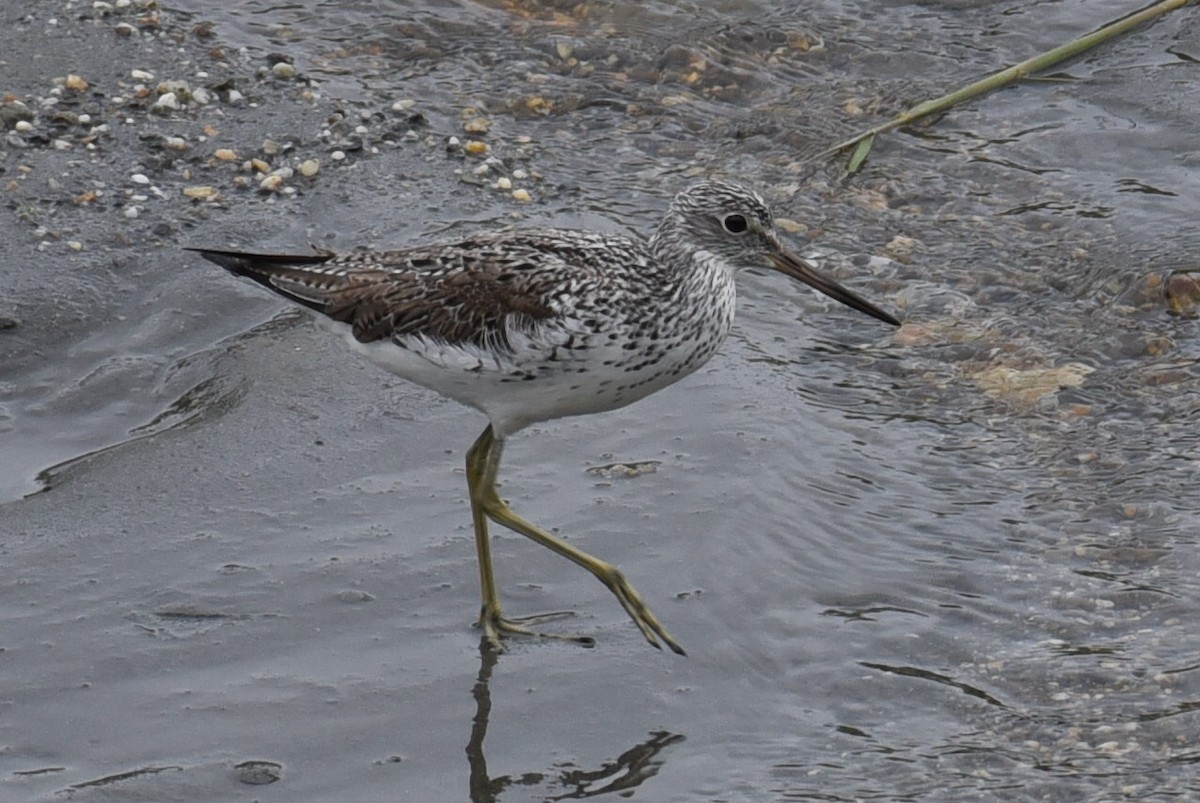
955,562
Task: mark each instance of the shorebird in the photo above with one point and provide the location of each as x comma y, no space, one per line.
527,325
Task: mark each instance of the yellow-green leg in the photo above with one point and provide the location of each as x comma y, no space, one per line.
483,464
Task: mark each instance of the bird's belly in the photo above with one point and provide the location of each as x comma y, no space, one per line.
539,380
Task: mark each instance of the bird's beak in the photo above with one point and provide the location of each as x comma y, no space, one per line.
801,269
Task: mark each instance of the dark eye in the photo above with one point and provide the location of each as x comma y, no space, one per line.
735,224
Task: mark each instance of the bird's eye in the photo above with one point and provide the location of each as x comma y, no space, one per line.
735,224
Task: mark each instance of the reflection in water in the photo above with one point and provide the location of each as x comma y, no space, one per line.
628,771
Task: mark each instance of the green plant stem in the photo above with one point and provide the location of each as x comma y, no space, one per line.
1009,75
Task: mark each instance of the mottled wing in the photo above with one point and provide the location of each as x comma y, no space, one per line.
471,291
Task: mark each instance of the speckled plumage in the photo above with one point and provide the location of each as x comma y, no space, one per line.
527,325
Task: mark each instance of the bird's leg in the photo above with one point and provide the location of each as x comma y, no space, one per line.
481,478
483,463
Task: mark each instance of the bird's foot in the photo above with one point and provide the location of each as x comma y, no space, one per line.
497,627
637,609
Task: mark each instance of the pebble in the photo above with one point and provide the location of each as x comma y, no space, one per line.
337,156
181,89
477,125
235,97
475,147
503,183
132,212
521,196
166,104
225,155
201,96
24,126
1182,291
176,143
259,166
403,105
141,75
309,167
283,70
75,83
139,178
74,245
271,183
202,191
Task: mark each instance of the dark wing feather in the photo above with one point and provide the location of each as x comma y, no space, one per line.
466,292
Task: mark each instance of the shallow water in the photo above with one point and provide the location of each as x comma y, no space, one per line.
954,562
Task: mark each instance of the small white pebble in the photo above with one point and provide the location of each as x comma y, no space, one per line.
177,143
271,183
200,96
24,126
131,212
235,97
167,102
519,174
139,178
74,245
283,70
521,196
309,167
403,105
141,75
85,119
503,183
337,156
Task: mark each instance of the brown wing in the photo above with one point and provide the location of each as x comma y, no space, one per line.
466,292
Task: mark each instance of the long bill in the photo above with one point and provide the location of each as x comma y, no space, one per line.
801,269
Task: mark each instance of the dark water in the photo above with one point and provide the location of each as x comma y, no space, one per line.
955,562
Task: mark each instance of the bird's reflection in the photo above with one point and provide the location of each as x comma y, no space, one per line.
636,765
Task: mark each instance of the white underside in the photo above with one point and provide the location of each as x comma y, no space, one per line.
481,379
